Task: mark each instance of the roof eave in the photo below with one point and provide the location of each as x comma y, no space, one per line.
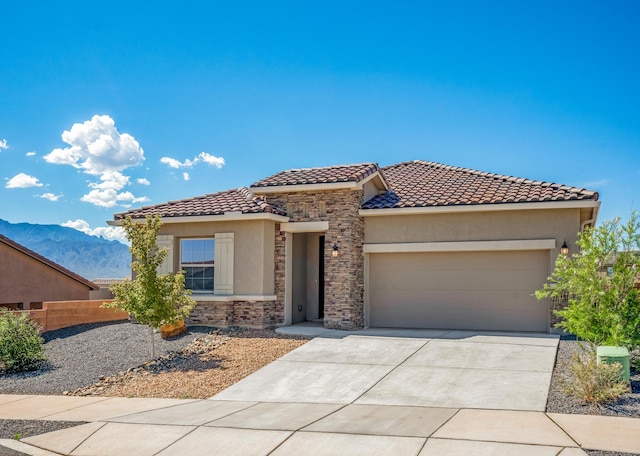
226,217
493,207
294,188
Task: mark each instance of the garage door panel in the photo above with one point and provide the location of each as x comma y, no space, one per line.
443,318
465,300
451,260
473,280
465,290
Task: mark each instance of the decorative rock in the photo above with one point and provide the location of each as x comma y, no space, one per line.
167,331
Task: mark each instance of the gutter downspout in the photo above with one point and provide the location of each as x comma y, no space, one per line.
591,221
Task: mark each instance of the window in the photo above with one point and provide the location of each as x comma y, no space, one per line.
197,260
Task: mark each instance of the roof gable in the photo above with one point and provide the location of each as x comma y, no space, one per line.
53,265
339,174
426,184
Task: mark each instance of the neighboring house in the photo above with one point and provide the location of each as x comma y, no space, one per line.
416,245
27,279
103,290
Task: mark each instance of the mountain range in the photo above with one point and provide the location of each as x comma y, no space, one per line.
91,257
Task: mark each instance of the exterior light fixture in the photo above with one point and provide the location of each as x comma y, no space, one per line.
335,250
564,249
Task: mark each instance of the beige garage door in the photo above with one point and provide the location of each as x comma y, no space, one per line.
458,290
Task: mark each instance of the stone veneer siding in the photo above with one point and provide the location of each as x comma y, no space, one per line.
344,275
248,314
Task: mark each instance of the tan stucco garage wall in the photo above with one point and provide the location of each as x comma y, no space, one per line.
253,244
563,224
470,285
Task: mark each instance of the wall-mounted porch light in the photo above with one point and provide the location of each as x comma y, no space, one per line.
564,249
335,250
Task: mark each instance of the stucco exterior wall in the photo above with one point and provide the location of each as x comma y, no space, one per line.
559,224
24,280
253,269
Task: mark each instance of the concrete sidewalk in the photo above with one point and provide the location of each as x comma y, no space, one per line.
167,426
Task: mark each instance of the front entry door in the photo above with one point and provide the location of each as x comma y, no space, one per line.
321,277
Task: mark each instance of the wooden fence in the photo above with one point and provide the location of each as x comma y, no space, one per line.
61,314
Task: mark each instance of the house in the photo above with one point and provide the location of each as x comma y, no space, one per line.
415,245
27,279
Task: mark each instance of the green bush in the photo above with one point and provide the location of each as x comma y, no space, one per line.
593,382
20,342
599,280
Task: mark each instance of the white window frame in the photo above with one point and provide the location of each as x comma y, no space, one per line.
200,265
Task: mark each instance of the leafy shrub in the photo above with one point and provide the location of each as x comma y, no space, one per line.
20,342
604,305
593,382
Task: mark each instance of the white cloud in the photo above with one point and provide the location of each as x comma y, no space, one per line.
596,183
51,196
3,144
186,176
113,233
23,180
109,197
173,163
143,181
209,159
30,154
97,148
112,179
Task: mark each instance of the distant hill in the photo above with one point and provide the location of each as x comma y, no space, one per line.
89,256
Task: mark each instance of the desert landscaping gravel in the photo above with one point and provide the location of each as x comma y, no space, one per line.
113,360
558,402
78,356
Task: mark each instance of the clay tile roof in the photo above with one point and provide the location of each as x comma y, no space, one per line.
237,200
36,256
422,184
324,175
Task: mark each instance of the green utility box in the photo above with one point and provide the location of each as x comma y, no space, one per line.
610,355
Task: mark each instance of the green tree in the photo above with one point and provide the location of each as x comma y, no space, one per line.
152,299
599,280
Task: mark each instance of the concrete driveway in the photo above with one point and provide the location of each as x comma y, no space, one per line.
355,394
454,369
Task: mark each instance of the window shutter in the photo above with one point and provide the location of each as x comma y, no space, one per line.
223,269
166,241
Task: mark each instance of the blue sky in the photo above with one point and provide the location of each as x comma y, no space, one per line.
118,105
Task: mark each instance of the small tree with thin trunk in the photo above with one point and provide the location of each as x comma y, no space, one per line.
152,299
600,281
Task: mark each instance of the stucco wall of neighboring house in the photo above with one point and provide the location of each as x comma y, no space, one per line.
24,280
253,269
558,224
